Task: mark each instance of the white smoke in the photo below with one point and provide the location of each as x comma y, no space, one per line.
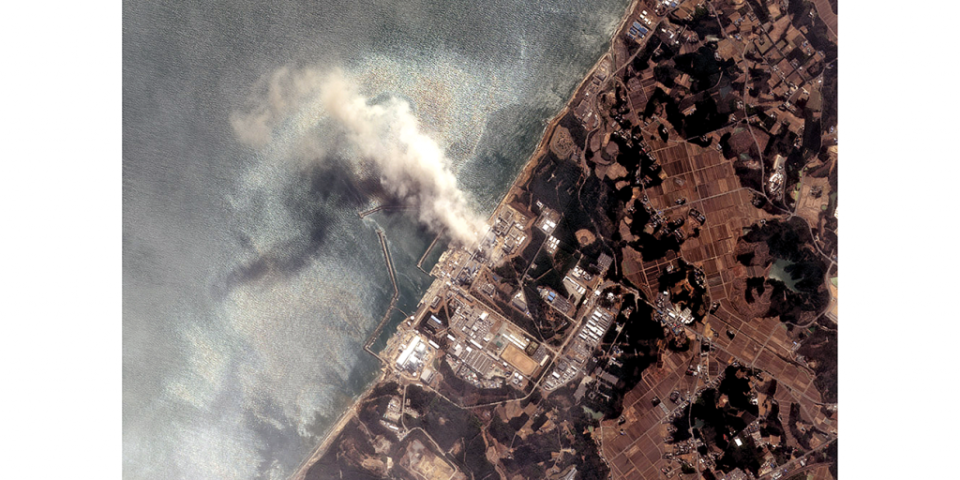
387,136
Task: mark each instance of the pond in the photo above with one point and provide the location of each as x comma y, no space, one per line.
779,272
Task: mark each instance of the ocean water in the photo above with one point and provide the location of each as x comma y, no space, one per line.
250,284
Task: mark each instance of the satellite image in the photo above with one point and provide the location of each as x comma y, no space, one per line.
450,240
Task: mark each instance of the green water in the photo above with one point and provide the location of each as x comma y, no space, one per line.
778,272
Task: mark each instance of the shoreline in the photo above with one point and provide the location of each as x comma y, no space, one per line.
554,122
335,430
542,146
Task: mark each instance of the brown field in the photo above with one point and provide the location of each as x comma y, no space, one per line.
561,143
711,186
835,303
828,16
514,356
585,237
809,208
641,446
632,269
424,464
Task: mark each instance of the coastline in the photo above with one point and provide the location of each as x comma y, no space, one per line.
335,431
552,124
520,179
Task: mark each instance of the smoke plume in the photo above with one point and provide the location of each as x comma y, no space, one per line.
387,136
